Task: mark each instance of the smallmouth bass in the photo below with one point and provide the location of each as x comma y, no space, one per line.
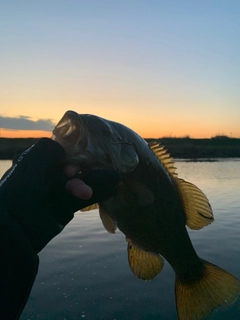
152,207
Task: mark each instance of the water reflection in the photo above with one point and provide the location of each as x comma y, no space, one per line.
209,171
84,272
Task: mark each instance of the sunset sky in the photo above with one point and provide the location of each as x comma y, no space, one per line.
161,67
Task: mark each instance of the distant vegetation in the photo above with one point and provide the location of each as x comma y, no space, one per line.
188,148
9,147
183,148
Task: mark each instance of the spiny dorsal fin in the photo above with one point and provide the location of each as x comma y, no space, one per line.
144,264
109,224
164,157
91,207
197,208
196,205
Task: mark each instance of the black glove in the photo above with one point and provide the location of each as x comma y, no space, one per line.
34,194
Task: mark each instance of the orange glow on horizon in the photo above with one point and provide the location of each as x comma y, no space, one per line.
144,132
24,134
42,134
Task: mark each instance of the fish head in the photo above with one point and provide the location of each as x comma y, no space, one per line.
93,143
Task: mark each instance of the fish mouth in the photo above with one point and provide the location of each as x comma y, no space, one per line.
72,133
69,131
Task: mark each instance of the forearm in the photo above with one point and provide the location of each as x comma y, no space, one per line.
18,267
37,200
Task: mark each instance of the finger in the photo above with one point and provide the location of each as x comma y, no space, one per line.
79,189
99,177
71,170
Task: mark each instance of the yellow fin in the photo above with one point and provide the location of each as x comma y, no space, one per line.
164,157
196,300
196,205
91,207
144,264
109,224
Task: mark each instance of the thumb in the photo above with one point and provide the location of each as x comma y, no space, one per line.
79,189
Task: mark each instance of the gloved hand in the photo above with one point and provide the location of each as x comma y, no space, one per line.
37,194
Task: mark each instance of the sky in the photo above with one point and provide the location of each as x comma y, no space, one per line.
164,68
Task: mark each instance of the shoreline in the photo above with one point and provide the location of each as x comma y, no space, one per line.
180,148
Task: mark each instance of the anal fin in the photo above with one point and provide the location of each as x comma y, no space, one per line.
145,265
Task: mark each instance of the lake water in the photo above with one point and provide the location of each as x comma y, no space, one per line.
84,272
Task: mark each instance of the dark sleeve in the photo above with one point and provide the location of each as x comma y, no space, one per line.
18,267
33,191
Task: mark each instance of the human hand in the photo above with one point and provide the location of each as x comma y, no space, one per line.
42,198
75,186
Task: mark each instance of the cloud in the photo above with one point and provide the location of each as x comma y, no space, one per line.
25,123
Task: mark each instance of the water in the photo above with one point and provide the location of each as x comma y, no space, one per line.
84,272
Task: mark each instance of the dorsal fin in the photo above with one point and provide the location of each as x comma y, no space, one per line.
197,208
144,264
164,157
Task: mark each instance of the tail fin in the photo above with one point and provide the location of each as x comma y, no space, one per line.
196,300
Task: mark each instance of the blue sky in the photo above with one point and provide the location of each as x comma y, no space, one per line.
159,67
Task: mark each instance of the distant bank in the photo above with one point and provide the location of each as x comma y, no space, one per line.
182,148
216,147
9,147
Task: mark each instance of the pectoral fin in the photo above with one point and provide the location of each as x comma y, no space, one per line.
91,207
196,205
143,194
144,264
108,223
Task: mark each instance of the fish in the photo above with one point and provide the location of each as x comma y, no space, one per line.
152,207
